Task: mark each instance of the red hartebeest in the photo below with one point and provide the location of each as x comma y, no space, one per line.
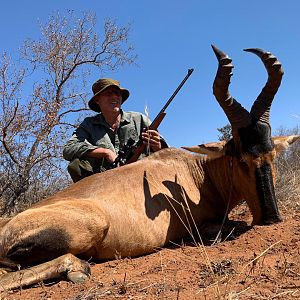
134,209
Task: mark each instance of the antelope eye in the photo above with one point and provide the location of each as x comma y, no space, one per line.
244,164
243,161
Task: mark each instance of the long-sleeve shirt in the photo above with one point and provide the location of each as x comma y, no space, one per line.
94,132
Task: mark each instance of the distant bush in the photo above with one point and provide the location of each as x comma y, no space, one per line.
288,174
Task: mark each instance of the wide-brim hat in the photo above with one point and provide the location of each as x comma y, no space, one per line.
102,84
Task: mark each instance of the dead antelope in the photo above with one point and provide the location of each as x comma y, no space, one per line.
134,209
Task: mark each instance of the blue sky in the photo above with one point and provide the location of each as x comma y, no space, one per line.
171,36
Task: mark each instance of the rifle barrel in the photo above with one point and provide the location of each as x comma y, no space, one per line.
190,71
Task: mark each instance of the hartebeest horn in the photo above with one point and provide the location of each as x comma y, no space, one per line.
237,115
260,110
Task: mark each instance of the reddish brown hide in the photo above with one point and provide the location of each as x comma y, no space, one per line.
137,208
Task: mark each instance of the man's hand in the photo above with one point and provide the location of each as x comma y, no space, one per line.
103,152
152,138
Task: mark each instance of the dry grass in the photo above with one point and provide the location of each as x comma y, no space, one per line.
269,274
288,176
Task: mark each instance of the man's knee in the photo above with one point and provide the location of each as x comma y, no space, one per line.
79,169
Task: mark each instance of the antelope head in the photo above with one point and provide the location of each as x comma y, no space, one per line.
253,144
252,150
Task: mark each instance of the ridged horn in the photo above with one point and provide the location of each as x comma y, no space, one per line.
260,110
237,115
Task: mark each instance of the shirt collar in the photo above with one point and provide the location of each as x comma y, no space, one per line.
125,119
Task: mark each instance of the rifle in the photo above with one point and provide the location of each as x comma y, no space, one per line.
131,151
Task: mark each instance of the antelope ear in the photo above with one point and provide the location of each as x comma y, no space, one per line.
283,142
212,150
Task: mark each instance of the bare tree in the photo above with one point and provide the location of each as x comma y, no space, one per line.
34,125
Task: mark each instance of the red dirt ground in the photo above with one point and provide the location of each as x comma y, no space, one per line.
258,263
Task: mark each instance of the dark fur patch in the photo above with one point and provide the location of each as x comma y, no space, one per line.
266,193
256,138
42,246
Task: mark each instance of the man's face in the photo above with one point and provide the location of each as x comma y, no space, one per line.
109,100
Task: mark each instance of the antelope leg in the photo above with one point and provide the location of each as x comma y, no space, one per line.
67,265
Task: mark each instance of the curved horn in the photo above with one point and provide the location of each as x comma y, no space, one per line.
260,110
237,115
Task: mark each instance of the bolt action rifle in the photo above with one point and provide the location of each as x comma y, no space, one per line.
131,151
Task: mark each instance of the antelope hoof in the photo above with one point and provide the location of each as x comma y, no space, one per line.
78,276
3,271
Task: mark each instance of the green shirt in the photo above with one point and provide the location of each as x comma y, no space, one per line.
94,132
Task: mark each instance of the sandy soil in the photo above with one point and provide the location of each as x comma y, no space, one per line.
252,263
